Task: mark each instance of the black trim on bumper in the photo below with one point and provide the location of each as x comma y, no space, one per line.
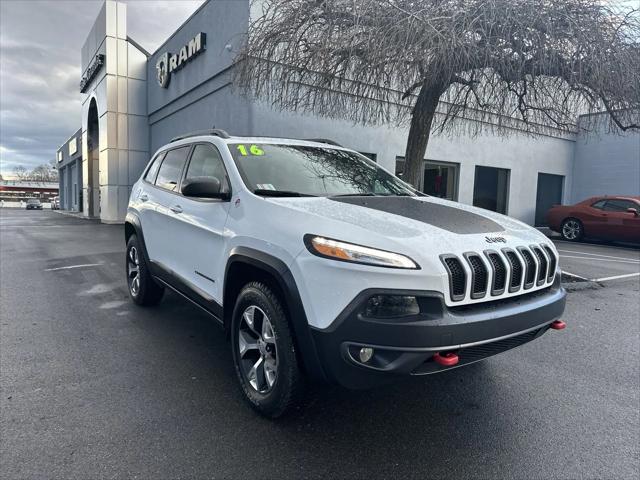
405,345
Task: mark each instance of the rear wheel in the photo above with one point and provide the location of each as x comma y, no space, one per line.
572,229
143,289
263,351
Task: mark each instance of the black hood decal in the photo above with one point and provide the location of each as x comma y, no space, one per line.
452,219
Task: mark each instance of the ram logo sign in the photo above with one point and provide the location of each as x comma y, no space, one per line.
169,63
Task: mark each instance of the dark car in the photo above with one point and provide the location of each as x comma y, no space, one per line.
34,204
606,217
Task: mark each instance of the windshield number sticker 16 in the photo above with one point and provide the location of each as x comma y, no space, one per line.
253,150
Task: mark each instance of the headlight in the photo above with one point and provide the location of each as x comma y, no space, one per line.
348,252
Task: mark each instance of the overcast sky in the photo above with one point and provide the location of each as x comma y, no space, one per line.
40,42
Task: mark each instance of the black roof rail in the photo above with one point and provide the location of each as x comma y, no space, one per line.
218,132
322,140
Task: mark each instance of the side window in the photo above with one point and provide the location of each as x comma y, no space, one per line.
619,205
153,169
599,204
207,162
171,168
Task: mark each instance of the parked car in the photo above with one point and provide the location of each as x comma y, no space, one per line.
322,265
55,203
33,204
605,217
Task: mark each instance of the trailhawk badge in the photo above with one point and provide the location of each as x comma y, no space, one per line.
168,63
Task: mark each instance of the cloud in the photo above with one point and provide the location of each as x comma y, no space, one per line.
40,44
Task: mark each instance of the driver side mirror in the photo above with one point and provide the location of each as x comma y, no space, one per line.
204,187
632,210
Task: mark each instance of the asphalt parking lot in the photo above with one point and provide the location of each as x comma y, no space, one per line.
599,262
95,387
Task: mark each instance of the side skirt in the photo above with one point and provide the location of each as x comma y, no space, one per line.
187,291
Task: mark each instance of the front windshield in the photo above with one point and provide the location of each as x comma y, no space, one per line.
316,171
33,200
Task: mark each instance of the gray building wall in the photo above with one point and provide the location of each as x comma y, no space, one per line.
116,158
200,96
137,116
69,167
605,163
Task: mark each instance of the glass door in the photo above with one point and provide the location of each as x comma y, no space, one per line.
440,179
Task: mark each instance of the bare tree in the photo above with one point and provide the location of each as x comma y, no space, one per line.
442,65
20,172
42,173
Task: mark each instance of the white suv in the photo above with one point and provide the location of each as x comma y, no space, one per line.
322,265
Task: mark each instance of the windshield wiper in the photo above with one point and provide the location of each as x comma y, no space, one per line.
366,194
280,193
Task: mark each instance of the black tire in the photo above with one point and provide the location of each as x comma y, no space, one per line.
145,291
270,400
572,230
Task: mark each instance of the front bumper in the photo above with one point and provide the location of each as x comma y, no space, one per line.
406,345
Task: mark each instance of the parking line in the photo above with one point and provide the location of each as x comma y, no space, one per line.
73,266
596,255
574,275
628,275
634,262
597,245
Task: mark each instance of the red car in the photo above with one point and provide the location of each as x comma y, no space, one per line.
607,217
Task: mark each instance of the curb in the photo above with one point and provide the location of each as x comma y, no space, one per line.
77,215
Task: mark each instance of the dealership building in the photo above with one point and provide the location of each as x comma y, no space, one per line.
135,101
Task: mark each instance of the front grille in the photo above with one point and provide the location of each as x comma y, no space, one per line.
552,263
516,270
457,277
529,267
542,264
479,277
499,273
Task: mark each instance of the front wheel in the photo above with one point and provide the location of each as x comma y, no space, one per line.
572,230
263,351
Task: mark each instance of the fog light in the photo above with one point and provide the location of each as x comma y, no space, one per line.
386,306
365,354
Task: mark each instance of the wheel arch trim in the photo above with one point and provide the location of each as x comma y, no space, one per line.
277,269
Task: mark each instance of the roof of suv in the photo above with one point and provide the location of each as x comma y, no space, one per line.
316,142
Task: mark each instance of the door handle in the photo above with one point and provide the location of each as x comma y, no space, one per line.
176,209
144,197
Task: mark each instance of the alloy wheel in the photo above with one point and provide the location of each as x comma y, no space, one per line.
133,271
257,349
571,229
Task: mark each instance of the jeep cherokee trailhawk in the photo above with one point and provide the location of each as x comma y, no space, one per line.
322,265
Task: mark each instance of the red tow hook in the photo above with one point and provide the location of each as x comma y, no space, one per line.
446,359
558,325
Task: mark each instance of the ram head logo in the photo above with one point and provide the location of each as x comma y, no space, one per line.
162,70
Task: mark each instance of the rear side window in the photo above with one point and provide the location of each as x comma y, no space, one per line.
207,162
619,205
153,169
599,204
171,169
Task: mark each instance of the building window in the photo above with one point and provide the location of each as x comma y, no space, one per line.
491,189
370,156
73,146
399,167
59,155
440,179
